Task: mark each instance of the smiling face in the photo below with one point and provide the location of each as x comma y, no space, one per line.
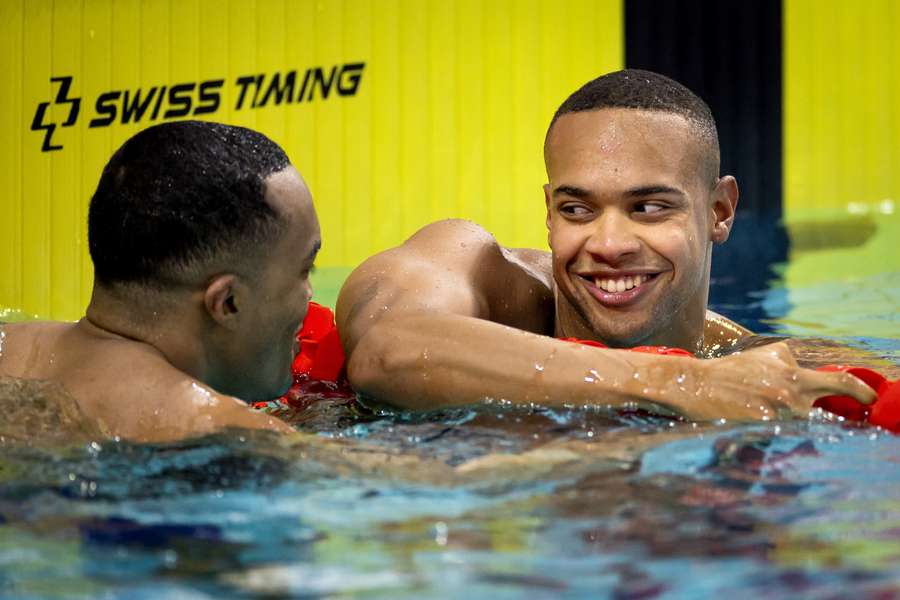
632,211
275,303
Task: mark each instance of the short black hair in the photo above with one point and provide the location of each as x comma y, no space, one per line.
643,90
178,195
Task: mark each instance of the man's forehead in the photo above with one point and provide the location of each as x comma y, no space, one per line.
610,128
287,193
624,140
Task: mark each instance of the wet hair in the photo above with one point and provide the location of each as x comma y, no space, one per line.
646,90
182,196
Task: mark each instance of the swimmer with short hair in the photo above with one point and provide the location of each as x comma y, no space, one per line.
202,236
634,204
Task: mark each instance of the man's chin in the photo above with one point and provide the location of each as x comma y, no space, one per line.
617,337
285,386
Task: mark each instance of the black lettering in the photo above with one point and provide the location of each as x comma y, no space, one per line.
324,84
209,97
348,81
159,99
106,106
259,80
280,92
243,82
303,87
179,100
37,124
135,109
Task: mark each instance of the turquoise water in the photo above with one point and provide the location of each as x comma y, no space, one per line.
489,502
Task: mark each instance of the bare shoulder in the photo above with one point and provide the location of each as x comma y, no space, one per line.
452,267
721,334
170,405
23,345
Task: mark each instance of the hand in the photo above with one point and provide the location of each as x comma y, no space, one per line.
764,384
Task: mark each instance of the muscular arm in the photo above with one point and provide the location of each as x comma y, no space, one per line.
451,318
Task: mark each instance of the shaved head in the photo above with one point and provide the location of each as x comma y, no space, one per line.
649,91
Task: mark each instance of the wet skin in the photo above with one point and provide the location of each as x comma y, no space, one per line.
159,368
450,317
631,220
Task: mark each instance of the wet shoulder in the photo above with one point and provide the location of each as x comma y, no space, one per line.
723,336
24,347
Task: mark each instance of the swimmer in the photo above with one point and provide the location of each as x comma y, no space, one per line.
634,203
202,237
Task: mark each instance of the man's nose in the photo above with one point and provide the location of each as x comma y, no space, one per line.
613,239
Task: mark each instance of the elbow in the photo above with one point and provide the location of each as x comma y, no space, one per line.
373,363
390,364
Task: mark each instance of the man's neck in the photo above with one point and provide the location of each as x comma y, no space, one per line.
170,333
686,333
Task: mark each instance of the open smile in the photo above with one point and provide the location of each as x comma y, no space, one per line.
620,289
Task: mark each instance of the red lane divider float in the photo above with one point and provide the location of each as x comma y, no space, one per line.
319,366
884,412
319,370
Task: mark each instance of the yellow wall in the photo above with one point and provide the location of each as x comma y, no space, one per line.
448,119
841,107
841,143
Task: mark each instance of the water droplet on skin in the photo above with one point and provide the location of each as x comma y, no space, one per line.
202,396
680,379
538,367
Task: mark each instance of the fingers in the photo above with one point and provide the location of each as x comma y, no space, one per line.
835,384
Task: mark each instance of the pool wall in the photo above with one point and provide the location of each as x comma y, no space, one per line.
397,112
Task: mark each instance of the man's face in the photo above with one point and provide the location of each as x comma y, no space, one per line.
277,301
630,222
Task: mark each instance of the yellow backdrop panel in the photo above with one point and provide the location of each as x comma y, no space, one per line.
841,107
841,139
447,119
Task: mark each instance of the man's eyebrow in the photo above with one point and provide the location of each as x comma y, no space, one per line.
571,190
652,190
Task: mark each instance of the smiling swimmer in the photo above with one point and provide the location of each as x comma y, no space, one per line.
634,203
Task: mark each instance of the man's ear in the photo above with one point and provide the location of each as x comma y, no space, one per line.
220,300
724,205
547,204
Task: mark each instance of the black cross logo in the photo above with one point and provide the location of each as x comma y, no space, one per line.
37,124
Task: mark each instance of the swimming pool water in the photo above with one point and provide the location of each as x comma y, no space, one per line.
485,503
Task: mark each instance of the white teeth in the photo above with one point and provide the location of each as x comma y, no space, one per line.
621,284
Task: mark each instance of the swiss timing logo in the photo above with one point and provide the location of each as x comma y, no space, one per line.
198,98
62,97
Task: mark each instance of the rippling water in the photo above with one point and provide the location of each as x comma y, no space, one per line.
486,503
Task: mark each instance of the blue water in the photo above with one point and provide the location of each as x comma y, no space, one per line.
375,504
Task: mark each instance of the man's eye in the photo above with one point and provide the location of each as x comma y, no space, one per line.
574,210
649,207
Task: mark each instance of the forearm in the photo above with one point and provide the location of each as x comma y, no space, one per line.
431,361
